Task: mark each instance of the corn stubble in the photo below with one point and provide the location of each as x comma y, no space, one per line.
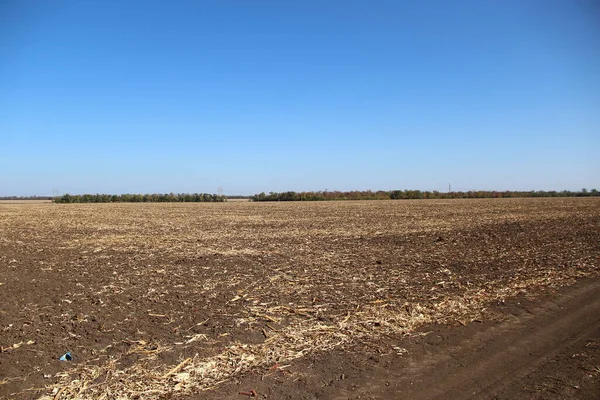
165,299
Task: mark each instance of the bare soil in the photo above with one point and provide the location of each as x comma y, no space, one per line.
300,300
545,347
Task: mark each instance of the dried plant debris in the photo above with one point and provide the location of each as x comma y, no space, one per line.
156,300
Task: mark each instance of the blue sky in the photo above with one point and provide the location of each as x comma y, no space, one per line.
188,96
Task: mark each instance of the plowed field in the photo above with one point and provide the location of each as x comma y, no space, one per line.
183,300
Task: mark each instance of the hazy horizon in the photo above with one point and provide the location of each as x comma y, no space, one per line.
57,193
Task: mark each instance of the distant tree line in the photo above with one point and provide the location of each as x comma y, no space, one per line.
26,198
140,198
414,194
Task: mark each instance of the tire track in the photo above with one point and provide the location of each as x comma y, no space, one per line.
493,362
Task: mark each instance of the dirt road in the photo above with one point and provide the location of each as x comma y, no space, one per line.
546,348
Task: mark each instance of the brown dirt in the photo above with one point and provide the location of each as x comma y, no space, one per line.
543,348
176,300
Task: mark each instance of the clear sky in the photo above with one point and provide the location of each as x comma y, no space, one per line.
187,96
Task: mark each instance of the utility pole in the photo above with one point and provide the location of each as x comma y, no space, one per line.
449,188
